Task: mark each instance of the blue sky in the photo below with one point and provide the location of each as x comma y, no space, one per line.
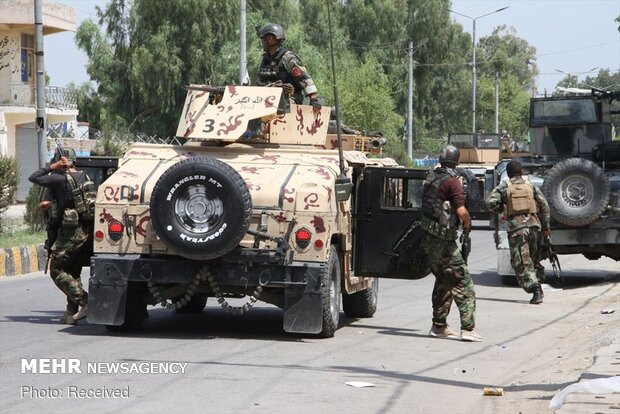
572,36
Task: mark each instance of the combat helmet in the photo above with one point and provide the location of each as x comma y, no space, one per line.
449,155
271,28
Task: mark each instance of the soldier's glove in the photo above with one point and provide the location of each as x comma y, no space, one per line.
316,105
288,89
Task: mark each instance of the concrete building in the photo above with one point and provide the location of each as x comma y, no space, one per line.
18,136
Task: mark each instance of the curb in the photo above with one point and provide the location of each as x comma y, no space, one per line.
606,361
16,261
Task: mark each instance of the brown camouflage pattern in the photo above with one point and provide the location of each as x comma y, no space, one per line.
290,180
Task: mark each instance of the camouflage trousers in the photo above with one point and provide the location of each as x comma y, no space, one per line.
525,257
70,253
452,282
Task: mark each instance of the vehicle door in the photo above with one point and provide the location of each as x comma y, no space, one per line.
387,234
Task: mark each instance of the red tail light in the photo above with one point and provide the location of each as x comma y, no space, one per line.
99,235
303,237
115,230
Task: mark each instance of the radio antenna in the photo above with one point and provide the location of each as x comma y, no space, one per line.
343,183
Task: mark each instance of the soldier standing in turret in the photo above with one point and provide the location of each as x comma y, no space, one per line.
443,206
281,64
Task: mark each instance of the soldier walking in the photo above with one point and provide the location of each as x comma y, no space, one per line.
70,224
443,207
527,212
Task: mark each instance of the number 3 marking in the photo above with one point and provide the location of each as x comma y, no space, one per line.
209,125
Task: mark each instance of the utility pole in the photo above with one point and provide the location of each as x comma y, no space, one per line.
243,61
496,102
410,103
473,62
40,120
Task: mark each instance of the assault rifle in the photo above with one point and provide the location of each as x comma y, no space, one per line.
465,245
553,258
52,221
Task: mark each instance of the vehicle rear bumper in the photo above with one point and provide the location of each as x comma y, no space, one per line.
302,291
116,269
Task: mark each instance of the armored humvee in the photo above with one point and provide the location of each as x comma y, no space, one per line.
577,165
288,218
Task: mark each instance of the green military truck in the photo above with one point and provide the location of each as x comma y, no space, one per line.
576,162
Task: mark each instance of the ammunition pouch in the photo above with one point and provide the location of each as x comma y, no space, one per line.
70,218
84,197
433,227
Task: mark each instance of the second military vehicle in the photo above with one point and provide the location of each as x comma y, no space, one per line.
576,163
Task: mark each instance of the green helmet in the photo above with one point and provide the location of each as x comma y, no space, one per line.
273,29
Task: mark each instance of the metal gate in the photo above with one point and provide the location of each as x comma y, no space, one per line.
26,151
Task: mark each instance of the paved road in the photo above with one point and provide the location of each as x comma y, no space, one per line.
248,365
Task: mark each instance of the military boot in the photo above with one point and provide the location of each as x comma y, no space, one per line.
537,296
67,318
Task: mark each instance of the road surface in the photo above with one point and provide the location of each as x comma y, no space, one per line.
218,363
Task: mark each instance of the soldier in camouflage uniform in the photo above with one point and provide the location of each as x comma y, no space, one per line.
443,206
527,213
72,247
281,64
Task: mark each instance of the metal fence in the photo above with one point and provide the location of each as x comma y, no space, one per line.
128,138
60,98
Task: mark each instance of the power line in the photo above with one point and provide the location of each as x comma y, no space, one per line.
577,49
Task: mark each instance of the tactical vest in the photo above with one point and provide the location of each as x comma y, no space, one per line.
83,196
520,199
272,70
441,218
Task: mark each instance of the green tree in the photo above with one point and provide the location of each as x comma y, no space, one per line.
90,105
512,61
146,56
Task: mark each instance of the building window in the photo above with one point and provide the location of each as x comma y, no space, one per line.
27,58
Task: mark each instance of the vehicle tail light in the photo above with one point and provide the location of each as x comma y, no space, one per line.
115,230
318,244
99,235
303,237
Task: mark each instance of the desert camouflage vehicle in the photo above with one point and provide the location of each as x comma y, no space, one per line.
480,153
576,163
268,218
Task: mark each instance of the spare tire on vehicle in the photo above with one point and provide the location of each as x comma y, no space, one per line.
200,208
577,191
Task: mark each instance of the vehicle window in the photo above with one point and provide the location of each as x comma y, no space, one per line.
401,193
564,112
462,140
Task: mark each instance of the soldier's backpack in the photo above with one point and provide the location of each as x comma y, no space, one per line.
520,198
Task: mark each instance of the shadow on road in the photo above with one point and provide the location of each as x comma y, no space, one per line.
571,279
262,323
